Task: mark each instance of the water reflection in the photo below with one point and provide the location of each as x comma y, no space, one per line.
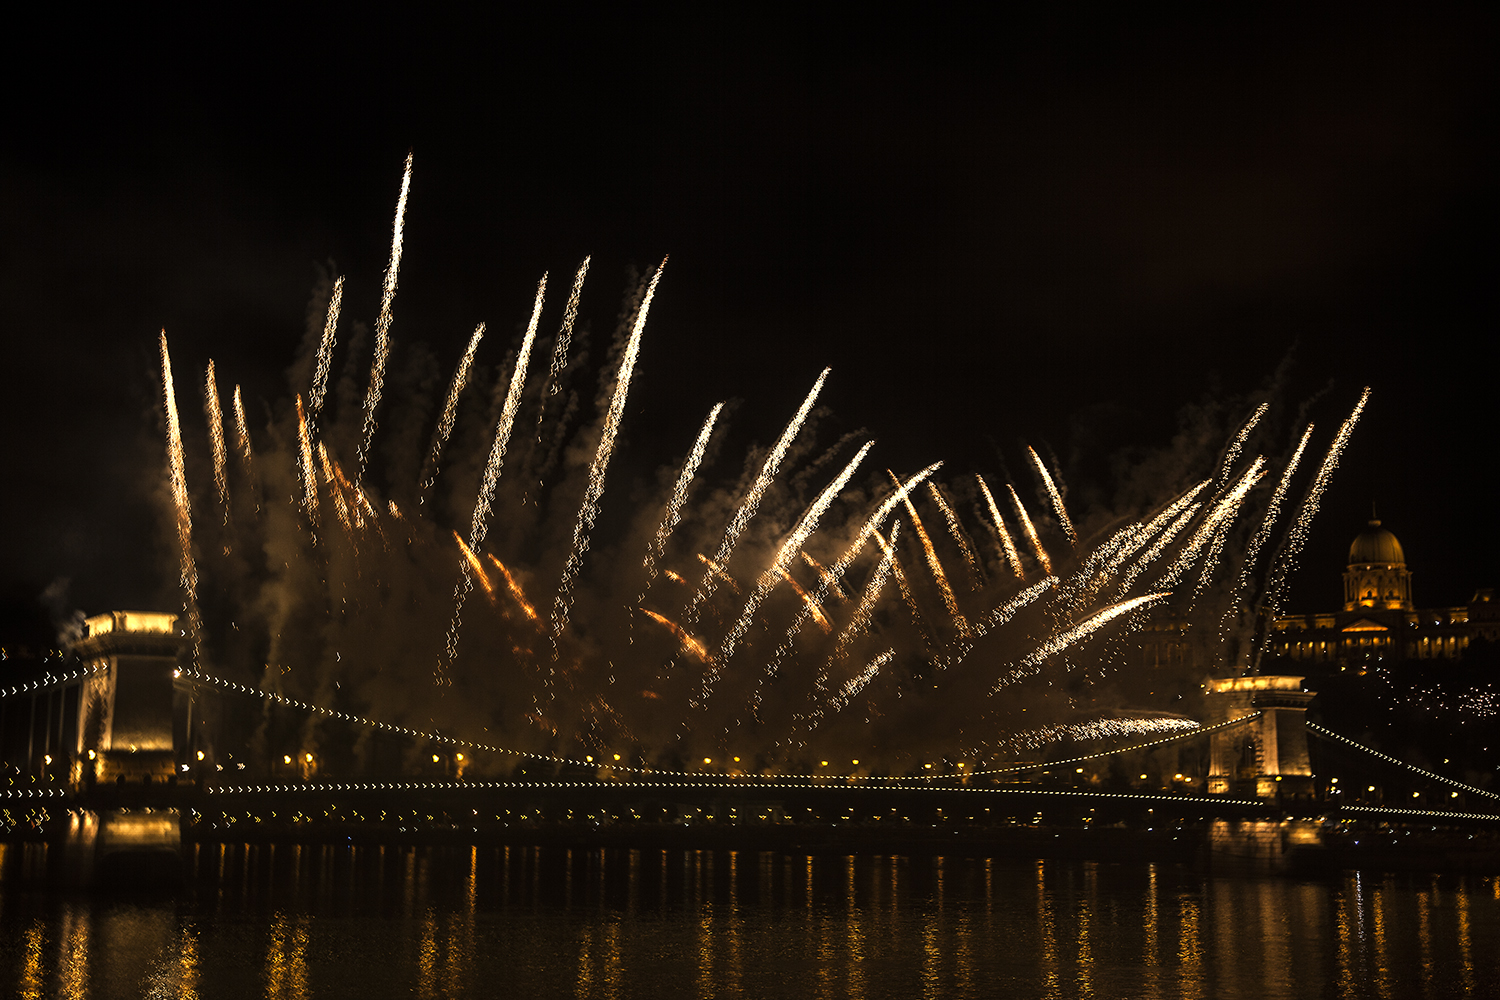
330,921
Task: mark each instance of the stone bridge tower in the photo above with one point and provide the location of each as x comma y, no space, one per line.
125,711
1267,758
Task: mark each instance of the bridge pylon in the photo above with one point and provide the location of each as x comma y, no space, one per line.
1266,758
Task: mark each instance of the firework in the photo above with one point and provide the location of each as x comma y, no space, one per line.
721,574
450,413
673,515
479,523
1062,640
935,565
334,481
1008,553
242,430
588,511
689,643
305,470
215,414
1026,525
1220,513
475,567
789,548
177,473
829,583
1296,537
751,502
564,340
383,324
859,622
1035,739
956,530
1237,443
813,608
1057,500
513,587
325,353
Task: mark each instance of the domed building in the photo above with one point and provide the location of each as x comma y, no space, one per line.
1380,623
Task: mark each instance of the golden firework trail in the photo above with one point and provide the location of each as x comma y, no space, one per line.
838,569
1052,492
689,642
675,577
1007,547
808,602
215,414
1222,511
177,473
588,511
720,573
325,353
450,413
1062,640
956,530
305,470
1026,525
334,481
1273,509
1296,537
751,503
1238,443
513,587
1035,739
933,563
479,524
909,596
994,619
564,341
1183,519
673,515
790,546
864,612
475,567
829,583
855,685
383,325
242,429
1137,535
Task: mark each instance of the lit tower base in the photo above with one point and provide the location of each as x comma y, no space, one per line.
124,761
1267,758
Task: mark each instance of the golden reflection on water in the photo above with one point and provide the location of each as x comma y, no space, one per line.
1048,934
1190,948
32,974
1085,985
1150,947
854,948
1424,937
1382,967
286,960
1465,952
73,962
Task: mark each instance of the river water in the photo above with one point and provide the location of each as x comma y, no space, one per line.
370,922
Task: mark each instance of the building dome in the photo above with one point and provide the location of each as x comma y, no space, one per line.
1376,545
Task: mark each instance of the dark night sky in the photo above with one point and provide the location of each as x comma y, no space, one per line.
1054,231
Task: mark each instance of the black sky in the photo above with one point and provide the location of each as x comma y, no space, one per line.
1058,231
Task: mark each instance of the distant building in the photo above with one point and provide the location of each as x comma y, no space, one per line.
1380,622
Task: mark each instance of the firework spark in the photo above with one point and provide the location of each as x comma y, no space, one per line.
751,502
242,430
383,324
1056,497
444,427
325,353
1221,512
807,600
950,601
1008,552
475,567
588,511
864,612
215,414
689,642
1062,640
673,515
956,530
1030,529
177,471
829,583
305,471
514,587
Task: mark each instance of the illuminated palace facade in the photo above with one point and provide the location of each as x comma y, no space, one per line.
1379,622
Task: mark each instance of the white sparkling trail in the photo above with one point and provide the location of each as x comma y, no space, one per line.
187,568
956,530
1032,662
994,619
340,506
305,468
479,523
825,576
1035,739
588,511
1007,547
935,565
790,546
1273,509
450,413
1026,525
1238,443
242,428
1057,500
215,414
1219,515
383,325
325,353
563,343
1296,537
1162,541
1137,539
673,515
857,684
837,570
751,503
864,613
